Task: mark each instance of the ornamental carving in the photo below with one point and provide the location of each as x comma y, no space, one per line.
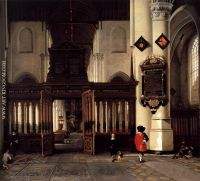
161,10
154,83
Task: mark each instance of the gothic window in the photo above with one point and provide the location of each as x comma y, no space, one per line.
194,71
25,41
118,40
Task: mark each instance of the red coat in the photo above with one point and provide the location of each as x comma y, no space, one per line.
140,143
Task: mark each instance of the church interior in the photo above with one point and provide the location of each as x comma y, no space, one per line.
75,71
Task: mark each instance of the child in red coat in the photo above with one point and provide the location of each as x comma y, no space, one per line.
140,142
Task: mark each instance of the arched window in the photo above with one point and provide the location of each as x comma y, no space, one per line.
26,41
194,71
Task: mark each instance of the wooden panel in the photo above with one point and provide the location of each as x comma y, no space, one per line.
88,143
30,143
102,142
186,126
88,120
47,144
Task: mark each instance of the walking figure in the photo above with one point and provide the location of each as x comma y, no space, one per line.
141,142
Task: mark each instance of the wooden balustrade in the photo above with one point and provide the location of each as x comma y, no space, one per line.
113,116
23,117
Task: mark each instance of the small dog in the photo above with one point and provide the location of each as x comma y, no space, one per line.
184,151
118,157
7,158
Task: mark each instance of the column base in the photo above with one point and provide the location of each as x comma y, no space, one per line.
161,140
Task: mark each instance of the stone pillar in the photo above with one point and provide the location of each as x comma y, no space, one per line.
142,27
161,134
98,67
131,22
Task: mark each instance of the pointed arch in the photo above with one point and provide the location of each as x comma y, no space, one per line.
119,77
26,78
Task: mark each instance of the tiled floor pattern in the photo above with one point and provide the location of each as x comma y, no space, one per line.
82,167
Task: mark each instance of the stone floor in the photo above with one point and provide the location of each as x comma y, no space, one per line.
81,167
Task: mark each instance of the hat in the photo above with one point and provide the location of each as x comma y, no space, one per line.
141,128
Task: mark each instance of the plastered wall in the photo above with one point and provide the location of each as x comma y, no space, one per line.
114,61
22,59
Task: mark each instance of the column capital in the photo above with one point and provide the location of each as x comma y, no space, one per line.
161,9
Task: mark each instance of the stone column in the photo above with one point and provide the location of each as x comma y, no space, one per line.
98,67
161,134
142,27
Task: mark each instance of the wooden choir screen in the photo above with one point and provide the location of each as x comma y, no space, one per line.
24,116
113,112
29,116
113,116
186,126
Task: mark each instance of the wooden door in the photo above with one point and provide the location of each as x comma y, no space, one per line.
46,116
88,121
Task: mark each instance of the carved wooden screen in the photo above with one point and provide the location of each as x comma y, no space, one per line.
88,121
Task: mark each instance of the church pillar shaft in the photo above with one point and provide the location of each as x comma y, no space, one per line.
142,27
161,134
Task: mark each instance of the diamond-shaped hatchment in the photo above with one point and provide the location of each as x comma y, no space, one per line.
162,41
141,44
